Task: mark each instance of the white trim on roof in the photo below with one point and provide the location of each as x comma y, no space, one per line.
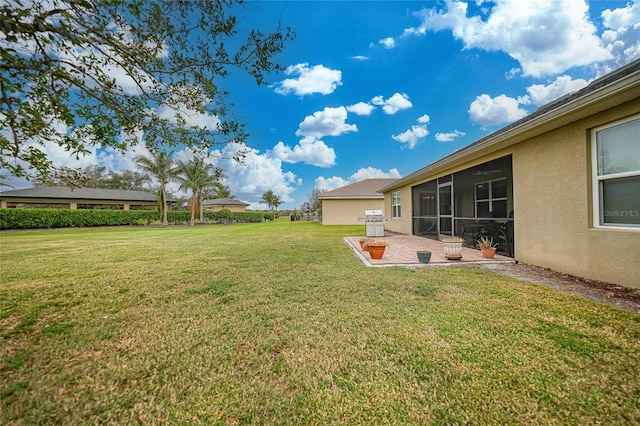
351,197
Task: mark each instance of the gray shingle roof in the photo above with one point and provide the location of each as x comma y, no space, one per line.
223,202
63,192
367,188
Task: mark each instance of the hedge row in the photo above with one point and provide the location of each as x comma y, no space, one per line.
66,218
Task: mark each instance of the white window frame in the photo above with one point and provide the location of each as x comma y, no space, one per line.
396,205
595,189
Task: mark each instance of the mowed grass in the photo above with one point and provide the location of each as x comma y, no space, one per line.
279,323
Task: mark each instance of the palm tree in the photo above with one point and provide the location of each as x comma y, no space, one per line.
221,191
197,176
271,199
159,164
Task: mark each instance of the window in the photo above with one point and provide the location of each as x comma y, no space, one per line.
395,204
616,174
491,198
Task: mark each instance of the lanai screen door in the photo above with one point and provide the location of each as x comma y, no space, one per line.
445,207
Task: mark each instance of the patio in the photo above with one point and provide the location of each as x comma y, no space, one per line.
401,251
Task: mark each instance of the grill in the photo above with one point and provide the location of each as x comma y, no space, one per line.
374,222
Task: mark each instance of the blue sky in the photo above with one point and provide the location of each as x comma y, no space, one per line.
381,88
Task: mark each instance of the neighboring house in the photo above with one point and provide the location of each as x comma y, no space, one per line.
343,206
77,197
224,203
564,182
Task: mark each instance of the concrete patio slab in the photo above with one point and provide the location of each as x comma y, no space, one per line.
401,251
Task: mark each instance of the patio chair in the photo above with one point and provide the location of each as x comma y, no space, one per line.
505,234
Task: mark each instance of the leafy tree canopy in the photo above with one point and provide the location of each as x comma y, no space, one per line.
102,73
313,200
218,190
100,177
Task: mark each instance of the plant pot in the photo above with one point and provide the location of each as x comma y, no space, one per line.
424,256
376,251
488,252
363,243
452,248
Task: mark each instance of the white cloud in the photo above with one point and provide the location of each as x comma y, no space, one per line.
545,37
174,114
424,119
395,103
360,58
113,159
328,122
489,111
315,79
373,173
448,137
62,158
412,136
623,37
257,174
361,108
310,151
541,94
388,43
331,183
512,73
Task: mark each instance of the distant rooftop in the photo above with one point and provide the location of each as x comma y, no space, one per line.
367,188
224,202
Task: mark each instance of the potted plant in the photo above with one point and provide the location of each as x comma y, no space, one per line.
363,243
424,256
452,247
487,247
375,248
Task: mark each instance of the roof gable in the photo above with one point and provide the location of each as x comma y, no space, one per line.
368,188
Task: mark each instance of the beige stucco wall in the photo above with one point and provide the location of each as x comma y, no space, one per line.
553,205
553,225
404,223
347,211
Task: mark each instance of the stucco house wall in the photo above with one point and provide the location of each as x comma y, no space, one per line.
553,201
402,224
218,204
344,205
347,212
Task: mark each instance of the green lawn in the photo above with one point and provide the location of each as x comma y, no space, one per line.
279,323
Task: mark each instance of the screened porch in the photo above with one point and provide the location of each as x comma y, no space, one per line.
473,203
